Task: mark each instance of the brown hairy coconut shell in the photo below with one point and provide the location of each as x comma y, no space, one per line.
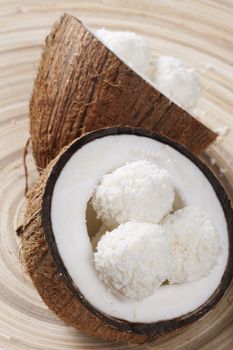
45,266
82,86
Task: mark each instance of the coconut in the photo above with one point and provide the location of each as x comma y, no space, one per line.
82,86
56,244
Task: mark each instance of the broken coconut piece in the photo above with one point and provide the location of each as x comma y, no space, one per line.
57,251
138,191
194,242
133,259
82,86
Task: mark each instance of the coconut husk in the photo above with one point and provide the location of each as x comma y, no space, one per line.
82,86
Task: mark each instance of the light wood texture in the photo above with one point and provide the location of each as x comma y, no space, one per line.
198,31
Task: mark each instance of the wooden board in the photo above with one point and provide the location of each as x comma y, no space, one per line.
198,31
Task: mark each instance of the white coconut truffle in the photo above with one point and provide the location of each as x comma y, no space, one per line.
177,81
195,244
130,47
138,191
133,259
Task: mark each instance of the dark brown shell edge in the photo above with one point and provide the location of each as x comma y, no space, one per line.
82,86
50,276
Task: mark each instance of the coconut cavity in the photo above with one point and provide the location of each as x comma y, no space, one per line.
149,247
73,220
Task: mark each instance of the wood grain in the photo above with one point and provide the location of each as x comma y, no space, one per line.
198,31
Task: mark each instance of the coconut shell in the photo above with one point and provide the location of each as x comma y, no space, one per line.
44,265
82,86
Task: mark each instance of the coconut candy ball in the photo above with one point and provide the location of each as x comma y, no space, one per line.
194,242
132,48
133,259
138,191
177,81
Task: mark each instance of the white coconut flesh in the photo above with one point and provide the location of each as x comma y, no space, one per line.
74,189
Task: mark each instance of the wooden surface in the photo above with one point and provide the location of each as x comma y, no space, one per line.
198,31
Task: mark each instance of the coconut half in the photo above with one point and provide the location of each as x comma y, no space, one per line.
56,244
82,86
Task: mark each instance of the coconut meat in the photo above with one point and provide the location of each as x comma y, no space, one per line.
74,188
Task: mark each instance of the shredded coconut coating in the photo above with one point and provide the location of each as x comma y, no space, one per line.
130,47
133,259
195,244
138,191
177,81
